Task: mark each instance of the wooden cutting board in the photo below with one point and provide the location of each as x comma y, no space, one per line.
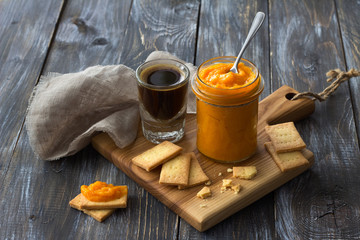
276,108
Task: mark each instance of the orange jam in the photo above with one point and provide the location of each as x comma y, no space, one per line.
227,109
219,76
103,192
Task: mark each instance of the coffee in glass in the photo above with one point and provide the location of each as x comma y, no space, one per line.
162,88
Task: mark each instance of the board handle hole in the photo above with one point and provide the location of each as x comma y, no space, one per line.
289,96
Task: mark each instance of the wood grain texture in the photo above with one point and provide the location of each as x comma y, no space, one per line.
25,34
36,197
90,33
160,25
37,193
321,203
220,205
223,26
350,32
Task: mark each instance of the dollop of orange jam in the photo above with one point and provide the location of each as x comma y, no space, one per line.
220,76
103,192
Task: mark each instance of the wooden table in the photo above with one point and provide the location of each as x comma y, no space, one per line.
298,43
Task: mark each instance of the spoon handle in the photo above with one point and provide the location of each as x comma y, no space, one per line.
256,24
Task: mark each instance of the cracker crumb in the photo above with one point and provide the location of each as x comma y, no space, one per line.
227,183
203,205
208,183
229,170
204,193
220,174
236,188
244,172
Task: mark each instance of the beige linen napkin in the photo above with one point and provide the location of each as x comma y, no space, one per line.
66,110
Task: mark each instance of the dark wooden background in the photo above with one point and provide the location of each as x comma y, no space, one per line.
298,43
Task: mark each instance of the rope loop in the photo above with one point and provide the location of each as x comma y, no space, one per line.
338,75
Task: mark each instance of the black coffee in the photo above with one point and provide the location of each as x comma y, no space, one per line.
159,103
163,77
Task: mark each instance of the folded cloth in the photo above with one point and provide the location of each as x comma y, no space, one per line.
67,110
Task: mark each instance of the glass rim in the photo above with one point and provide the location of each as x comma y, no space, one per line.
229,57
172,86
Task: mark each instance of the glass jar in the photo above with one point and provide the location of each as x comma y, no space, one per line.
227,118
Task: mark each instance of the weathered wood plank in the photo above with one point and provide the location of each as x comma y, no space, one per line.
36,193
322,203
92,33
160,25
26,32
222,30
348,12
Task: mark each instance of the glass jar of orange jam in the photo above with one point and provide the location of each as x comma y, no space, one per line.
227,109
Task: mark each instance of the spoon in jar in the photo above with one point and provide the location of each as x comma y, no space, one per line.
256,24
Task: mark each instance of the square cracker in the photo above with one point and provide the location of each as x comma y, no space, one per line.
117,203
156,156
286,161
99,215
285,137
176,171
196,175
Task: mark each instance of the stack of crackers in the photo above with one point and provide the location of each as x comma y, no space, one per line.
184,170
179,169
285,146
99,210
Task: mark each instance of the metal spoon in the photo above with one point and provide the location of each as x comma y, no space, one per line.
256,24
